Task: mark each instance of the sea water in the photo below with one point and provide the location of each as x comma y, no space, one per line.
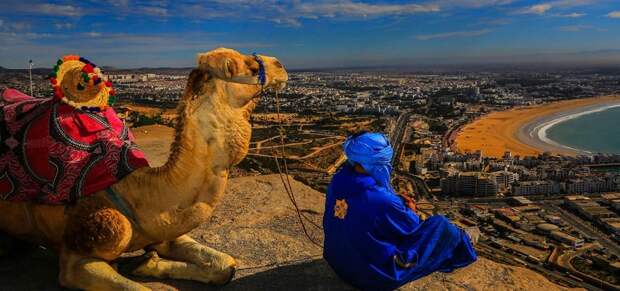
596,132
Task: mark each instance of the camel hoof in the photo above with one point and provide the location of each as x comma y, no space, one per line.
147,266
233,271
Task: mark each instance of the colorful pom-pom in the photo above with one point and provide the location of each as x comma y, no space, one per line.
56,67
58,93
52,75
53,81
70,58
108,84
112,92
87,68
59,62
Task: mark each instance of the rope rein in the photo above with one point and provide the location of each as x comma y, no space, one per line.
287,182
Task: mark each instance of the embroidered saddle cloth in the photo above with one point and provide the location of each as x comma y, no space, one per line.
51,153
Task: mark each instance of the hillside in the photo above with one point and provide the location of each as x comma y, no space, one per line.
257,224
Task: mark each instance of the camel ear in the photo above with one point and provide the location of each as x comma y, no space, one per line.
218,63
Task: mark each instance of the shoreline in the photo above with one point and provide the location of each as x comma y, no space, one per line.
536,131
522,130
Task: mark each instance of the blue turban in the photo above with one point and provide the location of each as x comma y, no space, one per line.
374,153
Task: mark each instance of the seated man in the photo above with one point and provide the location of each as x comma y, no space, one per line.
372,239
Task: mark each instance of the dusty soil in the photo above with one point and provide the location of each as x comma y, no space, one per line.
257,224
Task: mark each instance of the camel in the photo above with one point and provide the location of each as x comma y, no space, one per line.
154,208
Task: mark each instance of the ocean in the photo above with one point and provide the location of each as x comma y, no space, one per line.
595,131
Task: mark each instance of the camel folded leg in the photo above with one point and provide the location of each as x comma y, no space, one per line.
161,268
192,261
85,273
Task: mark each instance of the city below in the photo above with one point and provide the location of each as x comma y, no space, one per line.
557,213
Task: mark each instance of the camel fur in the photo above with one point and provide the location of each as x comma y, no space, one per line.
212,134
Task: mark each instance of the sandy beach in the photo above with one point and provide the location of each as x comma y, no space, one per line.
516,130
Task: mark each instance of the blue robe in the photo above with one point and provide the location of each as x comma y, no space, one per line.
366,225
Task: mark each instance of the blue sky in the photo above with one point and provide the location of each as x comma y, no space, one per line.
312,34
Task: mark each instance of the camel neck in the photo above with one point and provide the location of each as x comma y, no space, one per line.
189,164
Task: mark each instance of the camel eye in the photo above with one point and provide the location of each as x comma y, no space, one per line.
254,71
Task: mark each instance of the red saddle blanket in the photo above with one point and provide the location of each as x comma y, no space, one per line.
52,153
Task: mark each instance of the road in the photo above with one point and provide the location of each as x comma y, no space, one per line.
398,135
554,275
584,227
397,143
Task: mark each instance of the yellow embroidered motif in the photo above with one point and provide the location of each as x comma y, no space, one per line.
340,209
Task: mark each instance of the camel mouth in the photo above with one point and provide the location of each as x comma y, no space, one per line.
278,85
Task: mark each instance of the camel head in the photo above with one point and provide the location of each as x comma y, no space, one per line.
227,85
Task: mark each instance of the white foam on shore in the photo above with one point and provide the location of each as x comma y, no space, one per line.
540,130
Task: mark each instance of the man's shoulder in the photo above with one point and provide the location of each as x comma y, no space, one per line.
349,178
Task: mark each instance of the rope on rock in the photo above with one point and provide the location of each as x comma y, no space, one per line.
287,182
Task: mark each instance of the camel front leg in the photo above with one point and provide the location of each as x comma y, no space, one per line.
194,261
85,273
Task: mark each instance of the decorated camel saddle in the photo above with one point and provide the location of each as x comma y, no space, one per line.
57,150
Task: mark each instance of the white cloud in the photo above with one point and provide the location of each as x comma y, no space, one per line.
153,11
92,34
542,8
614,14
572,3
538,9
56,10
14,26
291,13
63,25
473,3
571,15
450,34
349,8
104,48
123,3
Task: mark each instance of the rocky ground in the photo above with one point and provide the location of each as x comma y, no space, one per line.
257,224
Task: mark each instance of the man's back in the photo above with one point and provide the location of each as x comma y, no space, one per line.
355,245
374,242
